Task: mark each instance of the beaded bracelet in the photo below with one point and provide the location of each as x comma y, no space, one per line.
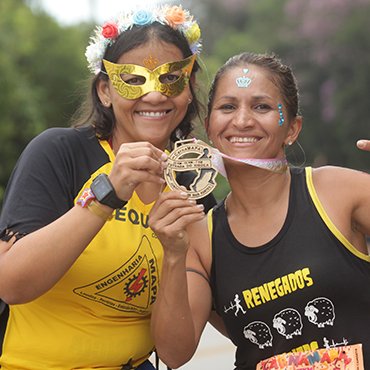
97,210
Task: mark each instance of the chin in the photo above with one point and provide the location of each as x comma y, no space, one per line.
159,143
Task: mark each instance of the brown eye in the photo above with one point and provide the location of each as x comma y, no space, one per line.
133,79
262,107
169,78
227,107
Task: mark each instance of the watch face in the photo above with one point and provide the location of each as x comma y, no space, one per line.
104,192
101,187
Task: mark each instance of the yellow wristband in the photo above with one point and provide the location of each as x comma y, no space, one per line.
97,210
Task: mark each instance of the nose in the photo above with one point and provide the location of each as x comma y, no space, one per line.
243,119
154,97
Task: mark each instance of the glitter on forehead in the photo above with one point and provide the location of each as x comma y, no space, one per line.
243,81
150,62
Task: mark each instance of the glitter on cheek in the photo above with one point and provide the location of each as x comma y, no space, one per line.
281,115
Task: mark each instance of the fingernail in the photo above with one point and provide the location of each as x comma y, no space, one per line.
361,144
164,156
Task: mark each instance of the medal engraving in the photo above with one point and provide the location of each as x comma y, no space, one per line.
196,157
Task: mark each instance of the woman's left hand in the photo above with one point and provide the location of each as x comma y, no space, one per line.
364,145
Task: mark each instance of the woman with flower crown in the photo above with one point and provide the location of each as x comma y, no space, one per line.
283,259
79,265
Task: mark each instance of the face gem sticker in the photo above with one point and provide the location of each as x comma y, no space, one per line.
243,81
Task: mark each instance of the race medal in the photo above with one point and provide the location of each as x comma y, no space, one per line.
191,156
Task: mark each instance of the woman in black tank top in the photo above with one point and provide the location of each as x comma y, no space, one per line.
282,262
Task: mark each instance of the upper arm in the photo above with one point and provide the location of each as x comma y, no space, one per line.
216,321
198,272
345,195
200,259
361,210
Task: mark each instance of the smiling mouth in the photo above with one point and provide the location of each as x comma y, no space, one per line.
238,139
153,114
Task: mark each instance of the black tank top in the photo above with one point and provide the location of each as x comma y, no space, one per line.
307,288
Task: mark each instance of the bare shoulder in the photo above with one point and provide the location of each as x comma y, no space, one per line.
345,195
342,183
340,176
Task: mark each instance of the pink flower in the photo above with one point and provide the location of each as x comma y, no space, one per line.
110,30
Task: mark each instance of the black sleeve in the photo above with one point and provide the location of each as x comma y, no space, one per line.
45,181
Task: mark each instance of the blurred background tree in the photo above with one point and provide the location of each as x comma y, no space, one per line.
43,69
42,66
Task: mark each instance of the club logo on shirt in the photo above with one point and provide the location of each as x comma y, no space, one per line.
132,287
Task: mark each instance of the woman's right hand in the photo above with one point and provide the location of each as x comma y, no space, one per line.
136,163
169,218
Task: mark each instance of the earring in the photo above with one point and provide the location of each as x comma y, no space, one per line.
190,100
290,143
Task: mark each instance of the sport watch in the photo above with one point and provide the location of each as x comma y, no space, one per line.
104,192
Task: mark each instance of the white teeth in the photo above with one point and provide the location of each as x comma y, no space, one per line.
152,114
243,139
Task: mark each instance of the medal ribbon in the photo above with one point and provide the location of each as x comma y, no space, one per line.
278,165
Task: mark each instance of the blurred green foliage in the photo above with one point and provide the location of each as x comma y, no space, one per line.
43,69
42,64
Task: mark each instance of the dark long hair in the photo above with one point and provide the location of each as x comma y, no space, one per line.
93,112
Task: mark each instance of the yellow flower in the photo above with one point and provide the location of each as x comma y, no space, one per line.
193,33
175,16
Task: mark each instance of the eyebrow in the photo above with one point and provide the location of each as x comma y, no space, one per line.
227,97
254,97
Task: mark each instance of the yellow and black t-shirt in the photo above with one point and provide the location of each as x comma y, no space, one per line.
97,315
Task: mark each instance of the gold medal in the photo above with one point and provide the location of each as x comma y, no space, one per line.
191,156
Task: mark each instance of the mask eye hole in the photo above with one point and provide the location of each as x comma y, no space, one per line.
169,78
134,80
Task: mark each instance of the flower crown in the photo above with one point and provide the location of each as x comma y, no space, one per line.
173,16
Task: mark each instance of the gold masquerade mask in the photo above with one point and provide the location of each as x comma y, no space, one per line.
133,81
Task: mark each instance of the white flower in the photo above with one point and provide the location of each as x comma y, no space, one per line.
98,43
